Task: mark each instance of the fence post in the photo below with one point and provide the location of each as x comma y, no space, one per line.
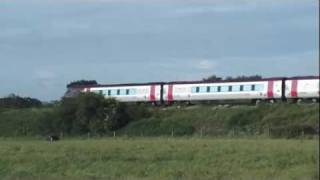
114,133
172,132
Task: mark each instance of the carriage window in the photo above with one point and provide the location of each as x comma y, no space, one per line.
194,89
236,88
208,88
241,87
118,92
253,87
224,88
219,89
127,91
214,89
133,91
247,88
113,92
197,89
122,92
203,89
230,88
259,87
109,92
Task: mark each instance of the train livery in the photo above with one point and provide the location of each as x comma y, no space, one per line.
295,88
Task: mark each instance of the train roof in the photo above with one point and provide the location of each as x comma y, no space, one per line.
304,77
240,80
116,85
224,81
192,82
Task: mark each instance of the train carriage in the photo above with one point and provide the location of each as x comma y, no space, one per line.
149,92
237,90
302,87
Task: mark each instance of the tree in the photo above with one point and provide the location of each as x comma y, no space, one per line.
90,112
14,101
117,117
230,78
245,78
82,83
212,78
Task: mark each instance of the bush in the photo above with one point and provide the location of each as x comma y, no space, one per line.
14,101
92,113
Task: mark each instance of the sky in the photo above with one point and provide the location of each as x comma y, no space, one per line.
45,44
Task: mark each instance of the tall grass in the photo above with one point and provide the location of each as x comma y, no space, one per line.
159,158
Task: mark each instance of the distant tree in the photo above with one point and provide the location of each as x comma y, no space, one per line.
245,78
230,78
14,101
82,83
212,78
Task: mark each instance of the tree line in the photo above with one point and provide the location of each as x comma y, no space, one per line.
14,101
87,113
230,78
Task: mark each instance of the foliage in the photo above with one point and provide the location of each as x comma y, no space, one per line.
230,78
90,112
14,101
213,78
244,78
83,114
277,120
81,83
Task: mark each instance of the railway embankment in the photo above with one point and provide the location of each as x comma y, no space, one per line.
280,120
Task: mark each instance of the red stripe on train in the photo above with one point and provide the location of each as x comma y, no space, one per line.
294,88
170,93
152,93
270,89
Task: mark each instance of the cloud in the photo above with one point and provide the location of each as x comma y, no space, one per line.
44,74
205,65
225,8
7,32
261,2
234,6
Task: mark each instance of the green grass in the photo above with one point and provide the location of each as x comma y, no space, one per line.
159,158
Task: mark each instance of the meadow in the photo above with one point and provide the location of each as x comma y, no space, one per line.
159,158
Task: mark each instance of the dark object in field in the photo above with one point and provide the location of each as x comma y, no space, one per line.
52,138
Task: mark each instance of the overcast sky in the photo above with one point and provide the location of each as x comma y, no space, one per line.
44,44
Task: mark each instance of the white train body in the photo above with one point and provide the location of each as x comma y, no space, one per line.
269,89
273,88
132,93
302,88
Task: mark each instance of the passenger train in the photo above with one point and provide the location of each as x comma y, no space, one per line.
269,89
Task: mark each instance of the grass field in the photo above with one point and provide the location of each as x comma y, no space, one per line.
159,158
